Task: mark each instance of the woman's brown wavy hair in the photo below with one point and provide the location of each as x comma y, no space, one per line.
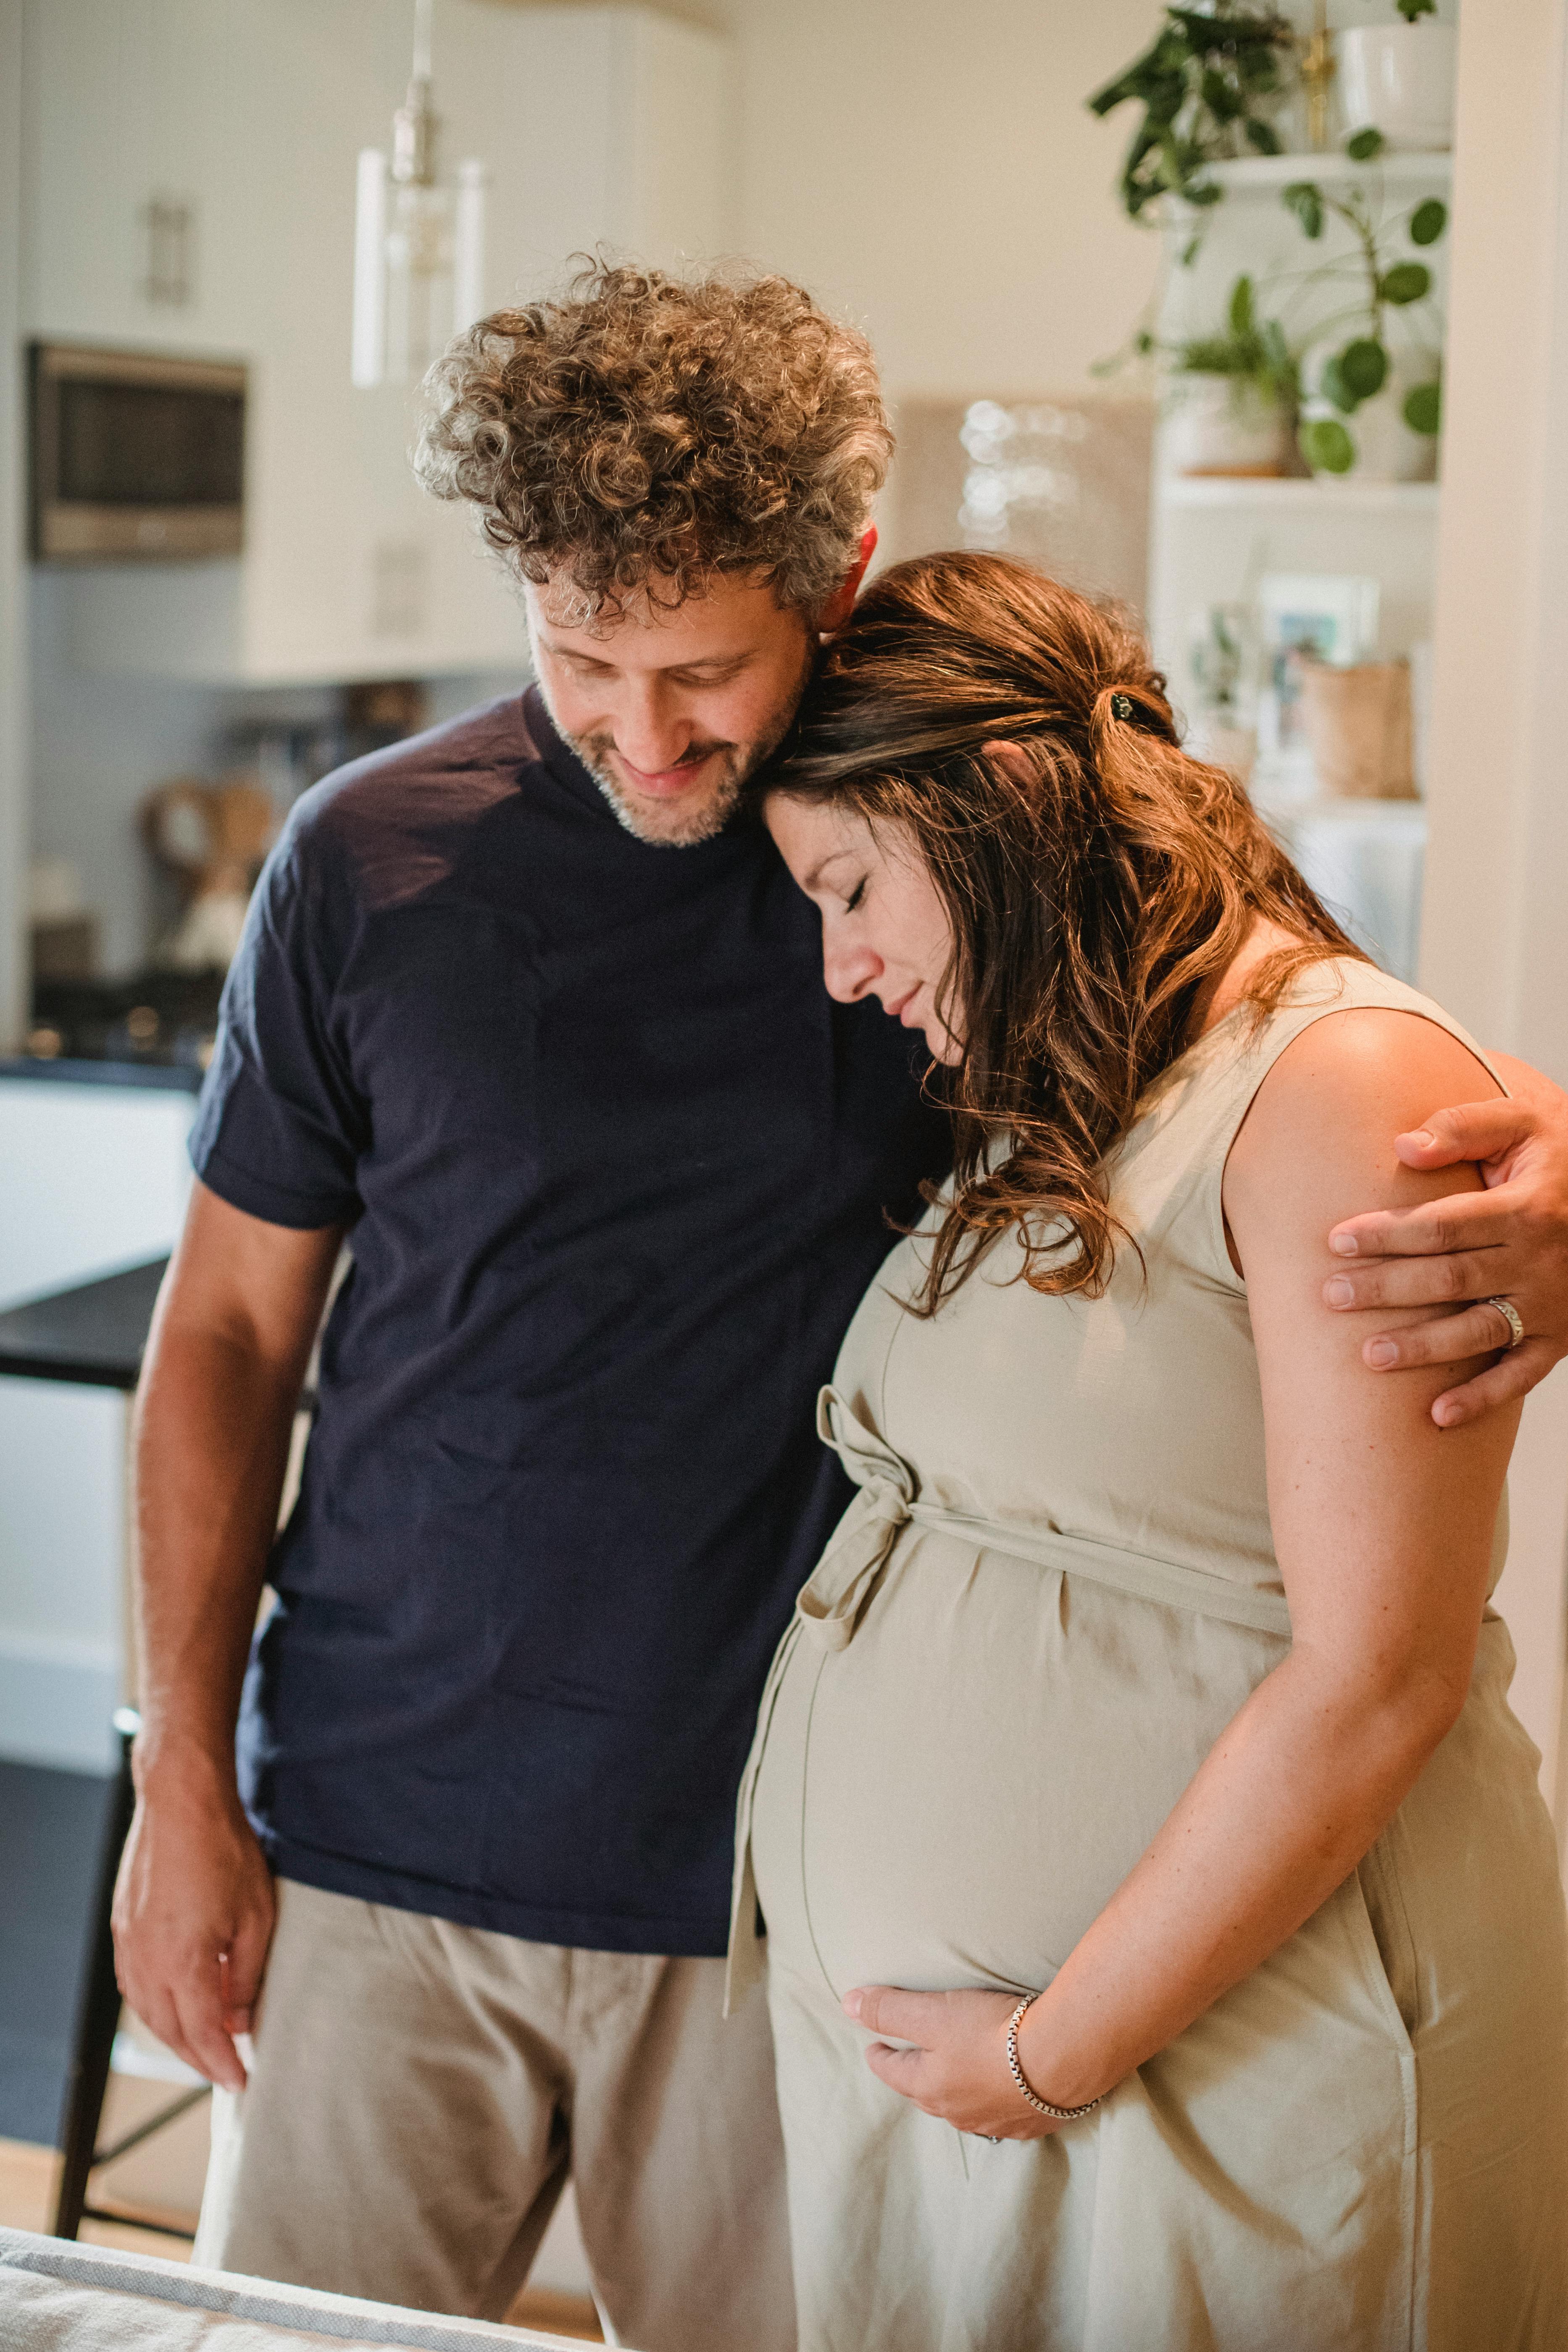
1092,895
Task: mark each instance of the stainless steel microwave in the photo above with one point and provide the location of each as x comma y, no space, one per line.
136,455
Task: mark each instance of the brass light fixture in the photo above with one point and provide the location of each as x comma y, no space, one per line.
1319,67
418,244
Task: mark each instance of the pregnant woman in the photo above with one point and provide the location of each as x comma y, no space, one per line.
1165,1942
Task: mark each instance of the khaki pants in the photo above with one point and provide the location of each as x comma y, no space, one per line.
421,2093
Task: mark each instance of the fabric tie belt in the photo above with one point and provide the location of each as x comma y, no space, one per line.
830,1604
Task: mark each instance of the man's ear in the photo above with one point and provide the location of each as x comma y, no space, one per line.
841,604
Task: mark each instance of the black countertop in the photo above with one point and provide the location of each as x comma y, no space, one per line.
173,1078
93,1334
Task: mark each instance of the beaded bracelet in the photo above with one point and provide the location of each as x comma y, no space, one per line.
1042,2106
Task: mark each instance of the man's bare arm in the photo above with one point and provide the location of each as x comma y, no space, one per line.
230,1342
1509,1241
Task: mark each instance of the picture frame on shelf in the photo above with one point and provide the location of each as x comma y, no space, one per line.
1333,617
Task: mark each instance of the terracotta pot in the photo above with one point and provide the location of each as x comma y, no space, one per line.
1399,79
1357,721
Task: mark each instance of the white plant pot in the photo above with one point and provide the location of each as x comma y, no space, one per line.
1386,449
1220,426
1399,79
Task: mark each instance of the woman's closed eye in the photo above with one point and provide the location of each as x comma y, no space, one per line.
855,896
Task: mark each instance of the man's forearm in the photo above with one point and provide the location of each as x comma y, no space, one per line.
213,1426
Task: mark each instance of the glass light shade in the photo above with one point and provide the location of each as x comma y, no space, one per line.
418,267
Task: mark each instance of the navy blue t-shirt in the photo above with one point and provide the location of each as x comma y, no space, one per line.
617,1173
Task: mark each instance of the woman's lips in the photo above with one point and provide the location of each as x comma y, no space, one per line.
896,1008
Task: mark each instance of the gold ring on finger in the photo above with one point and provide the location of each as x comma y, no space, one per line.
1511,1317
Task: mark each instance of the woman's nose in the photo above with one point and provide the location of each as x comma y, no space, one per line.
849,971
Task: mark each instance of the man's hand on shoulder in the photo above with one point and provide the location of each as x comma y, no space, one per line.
1509,1241
194,1910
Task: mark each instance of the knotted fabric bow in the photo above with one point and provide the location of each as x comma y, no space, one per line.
830,1604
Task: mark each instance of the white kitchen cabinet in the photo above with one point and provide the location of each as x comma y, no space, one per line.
600,127
93,1178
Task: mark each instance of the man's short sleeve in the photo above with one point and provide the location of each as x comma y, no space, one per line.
280,1127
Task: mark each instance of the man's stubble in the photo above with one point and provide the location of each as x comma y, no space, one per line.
736,763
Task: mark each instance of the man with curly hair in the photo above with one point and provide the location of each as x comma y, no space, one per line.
521,1017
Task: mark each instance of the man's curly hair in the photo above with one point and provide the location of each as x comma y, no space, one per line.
642,433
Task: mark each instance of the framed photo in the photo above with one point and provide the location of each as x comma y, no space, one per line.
1333,616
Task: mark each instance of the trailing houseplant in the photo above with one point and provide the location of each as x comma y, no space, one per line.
1208,85
1349,370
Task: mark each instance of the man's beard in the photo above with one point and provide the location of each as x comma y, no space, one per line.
677,826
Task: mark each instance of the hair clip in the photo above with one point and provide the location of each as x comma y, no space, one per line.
1122,706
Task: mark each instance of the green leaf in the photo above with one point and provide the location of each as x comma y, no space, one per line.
1407,281
1277,351
1191,250
1241,313
1202,192
1363,367
1166,56
1422,409
1333,385
1363,145
1428,221
1262,135
1221,97
1327,446
1411,9
1306,201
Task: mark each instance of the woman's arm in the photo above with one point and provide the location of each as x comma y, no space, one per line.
1383,1523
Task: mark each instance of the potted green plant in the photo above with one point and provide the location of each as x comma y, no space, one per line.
1398,80
1371,379
1208,85
1232,394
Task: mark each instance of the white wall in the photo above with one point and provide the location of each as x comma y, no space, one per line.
1495,938
933,173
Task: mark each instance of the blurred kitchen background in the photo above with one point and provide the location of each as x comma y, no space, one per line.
1283,371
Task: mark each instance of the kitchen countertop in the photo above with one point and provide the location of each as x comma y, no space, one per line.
93,1334
173,1077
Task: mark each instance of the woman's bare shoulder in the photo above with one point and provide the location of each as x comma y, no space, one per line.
1320,1128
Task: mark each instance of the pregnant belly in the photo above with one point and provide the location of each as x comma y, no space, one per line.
953,1798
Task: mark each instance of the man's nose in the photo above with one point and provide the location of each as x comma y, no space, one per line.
651,733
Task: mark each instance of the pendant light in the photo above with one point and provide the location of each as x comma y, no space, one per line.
418,244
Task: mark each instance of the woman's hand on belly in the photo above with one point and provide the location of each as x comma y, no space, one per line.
957,2069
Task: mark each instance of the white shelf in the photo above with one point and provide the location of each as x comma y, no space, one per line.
1265,175
1405,818
1288,496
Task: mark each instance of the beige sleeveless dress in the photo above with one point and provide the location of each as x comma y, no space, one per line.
1054,1591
